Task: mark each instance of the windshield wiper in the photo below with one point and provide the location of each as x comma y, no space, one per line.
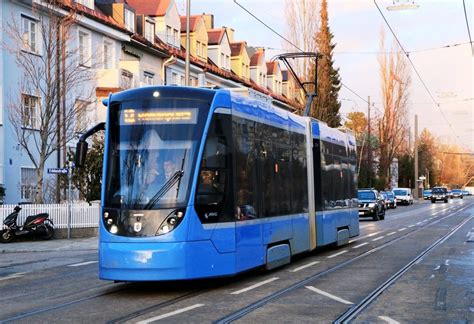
166,187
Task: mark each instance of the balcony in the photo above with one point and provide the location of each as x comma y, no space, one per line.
116,78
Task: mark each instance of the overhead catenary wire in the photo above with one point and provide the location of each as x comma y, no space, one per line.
414,68
467,26
294,45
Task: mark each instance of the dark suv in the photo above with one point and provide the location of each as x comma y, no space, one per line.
439,193
371,204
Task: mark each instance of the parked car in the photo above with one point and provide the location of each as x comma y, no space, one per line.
439,193
371,204
457,193
427,194
390,200
403,196
466,193
449,194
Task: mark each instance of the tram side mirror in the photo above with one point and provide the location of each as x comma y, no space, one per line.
81,152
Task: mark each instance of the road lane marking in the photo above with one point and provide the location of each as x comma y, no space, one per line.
402,229
179,311
368,235
378,238
81,264
304,266
372,234
419,223
13,276
391,233
254,286
358,246
316,290
366,225
335,255
388,320
411,225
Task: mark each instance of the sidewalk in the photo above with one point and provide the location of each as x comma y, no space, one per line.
38,245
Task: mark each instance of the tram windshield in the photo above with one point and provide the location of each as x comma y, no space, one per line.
152,148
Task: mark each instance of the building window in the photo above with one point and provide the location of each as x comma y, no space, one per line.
84,48
176,37
30,34
174,78
28,184
108,55
223,61
193,81
148,78
198,49
87,3
182,81
150,31
169,35
126,79
129,20
30,111
81,108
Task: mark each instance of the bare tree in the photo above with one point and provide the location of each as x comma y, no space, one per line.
42,111
302,19
392,126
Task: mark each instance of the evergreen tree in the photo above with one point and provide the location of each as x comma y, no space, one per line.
326,105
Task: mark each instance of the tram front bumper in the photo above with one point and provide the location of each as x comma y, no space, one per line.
162,261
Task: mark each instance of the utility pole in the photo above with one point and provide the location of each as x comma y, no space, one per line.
416,156
188,45
369,147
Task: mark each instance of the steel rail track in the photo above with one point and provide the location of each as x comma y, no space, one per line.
235,315
355,310
262,302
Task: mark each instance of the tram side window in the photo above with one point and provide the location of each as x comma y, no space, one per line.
327,176
245,169
299,183
214,200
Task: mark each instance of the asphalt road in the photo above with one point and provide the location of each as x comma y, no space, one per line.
432,243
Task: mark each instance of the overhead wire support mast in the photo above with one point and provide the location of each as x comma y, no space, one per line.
414,68
467,25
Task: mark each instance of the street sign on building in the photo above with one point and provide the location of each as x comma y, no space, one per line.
58,170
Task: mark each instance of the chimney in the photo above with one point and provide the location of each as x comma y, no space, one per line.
230,33
208,20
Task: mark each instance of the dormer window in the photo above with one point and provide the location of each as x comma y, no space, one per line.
129,20
149,31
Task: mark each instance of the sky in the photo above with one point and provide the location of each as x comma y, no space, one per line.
435,35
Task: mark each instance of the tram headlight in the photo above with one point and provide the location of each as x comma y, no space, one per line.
113,229
170,222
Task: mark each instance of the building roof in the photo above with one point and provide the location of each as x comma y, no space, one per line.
272,68
193,21
237,48
257,57
215,36
151,8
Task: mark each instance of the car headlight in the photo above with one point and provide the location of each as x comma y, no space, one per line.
170,222
371,205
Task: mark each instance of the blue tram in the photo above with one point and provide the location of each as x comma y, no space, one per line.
205,183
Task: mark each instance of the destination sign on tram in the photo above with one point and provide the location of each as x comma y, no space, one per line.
158,116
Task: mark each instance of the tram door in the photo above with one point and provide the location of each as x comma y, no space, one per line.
248,226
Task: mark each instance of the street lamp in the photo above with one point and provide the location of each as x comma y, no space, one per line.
397,5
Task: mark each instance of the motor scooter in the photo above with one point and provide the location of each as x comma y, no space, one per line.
36,224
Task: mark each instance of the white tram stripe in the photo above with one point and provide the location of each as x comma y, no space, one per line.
391,233
254,286
388,320
316,290
304,266
179,311
337,254
81,264
358,246
12,276
402,229
378,238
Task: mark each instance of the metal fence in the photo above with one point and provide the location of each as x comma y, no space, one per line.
83,215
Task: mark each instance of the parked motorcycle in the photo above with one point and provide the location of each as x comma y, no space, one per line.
39,224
